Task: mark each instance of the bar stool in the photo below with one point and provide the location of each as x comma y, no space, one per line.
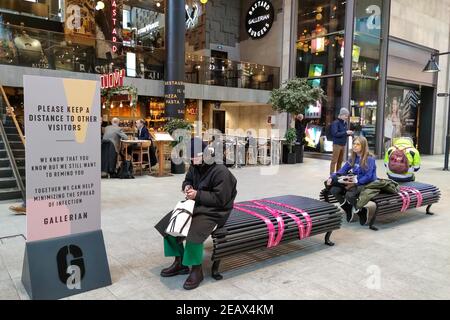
142,150
240,152
275,151
252,155
262,151
230,151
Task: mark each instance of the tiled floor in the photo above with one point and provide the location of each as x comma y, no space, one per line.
409,258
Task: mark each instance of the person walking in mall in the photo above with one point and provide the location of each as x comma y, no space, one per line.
340,133
347,183
213,187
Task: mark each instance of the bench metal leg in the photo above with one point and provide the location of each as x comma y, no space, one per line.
428,210
327,239
215,270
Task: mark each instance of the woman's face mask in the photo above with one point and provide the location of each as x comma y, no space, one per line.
196,161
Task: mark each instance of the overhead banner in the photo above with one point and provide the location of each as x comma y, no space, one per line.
62,125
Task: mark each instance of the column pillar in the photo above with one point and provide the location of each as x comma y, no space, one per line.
175,59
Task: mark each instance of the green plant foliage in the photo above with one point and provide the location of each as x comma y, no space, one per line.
125,90
291,137
175,124
295,96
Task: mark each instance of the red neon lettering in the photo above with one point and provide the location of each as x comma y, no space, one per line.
110,80
118,78
114,31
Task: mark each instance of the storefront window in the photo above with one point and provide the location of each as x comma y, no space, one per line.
401,110
320,47
366,68
320,37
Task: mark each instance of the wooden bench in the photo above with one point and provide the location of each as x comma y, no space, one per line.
390,203
265,223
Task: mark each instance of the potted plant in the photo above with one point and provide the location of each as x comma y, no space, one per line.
170,127
295,97
288,150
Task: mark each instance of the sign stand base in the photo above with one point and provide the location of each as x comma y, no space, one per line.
65,266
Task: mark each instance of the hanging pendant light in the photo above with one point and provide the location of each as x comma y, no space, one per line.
100,5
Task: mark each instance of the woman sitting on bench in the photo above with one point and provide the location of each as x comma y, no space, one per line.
350,180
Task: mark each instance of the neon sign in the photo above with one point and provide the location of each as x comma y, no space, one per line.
112,80
114,30
192,15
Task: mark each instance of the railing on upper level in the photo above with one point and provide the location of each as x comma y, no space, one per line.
22,46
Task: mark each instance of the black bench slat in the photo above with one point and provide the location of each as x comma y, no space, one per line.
391,203
252,221
259,233
260,245
244,232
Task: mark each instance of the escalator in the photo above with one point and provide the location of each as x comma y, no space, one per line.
12,154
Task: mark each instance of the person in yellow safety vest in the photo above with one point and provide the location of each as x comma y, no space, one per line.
393,160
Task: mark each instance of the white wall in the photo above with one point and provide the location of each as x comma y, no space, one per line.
267,50
427,22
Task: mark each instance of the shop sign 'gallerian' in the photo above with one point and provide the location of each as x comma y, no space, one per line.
259,19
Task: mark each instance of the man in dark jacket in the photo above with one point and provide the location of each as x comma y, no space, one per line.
299,128
339,132
144,134
213,187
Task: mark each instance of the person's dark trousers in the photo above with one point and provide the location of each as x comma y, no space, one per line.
338,193
351,195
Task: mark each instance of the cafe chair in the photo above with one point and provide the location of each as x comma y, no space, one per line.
263,151
252,155
139,153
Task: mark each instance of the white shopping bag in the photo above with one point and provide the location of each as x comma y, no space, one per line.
181,219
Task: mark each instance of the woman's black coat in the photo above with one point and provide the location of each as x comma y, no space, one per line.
216,191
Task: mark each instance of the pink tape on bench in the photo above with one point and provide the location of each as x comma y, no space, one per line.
297,220
277,216
405,199
269,224
302,212
416,192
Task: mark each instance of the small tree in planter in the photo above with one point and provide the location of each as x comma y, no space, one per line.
294,98
291,137
170,127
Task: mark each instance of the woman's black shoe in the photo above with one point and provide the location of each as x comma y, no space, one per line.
175,269
194,279
363,216
347,207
